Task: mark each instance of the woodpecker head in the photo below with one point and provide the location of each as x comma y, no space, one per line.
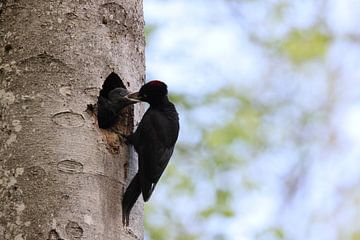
152,92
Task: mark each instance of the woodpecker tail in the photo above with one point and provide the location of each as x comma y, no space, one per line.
129,199
148,188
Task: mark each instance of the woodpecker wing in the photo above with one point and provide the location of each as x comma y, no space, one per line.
156,137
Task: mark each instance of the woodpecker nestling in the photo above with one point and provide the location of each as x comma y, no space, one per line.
153,140
109,107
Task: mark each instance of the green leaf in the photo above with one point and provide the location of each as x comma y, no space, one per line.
305,45
279,9
156,232
180,99
276,232
207,212
149,30
355,236
279,233
185,184
222,197
243,126
227,213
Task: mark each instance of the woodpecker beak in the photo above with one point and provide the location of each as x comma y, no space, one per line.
134,97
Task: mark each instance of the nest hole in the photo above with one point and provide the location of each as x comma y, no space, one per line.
121,122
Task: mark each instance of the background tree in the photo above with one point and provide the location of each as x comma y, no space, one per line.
61,177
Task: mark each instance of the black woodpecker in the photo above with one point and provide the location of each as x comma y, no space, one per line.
109,106
154,142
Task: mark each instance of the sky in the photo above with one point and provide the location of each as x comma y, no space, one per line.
199,46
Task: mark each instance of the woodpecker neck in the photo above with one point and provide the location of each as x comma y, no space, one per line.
160,102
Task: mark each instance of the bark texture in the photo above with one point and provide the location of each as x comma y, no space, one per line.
61,177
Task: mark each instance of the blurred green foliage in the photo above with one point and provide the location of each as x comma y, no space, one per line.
302,45
272,233
355,236
148,31
220,206
210,172
209,159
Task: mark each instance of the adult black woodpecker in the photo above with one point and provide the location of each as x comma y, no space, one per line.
153,140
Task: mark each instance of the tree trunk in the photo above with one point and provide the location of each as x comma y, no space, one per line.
61,177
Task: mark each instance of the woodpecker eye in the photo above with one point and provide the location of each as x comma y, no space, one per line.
144,95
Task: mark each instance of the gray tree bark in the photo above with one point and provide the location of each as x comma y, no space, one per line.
61,177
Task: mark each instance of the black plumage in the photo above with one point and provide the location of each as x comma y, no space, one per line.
109,106
153,140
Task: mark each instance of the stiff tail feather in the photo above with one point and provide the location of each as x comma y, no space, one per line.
129,199
147,190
